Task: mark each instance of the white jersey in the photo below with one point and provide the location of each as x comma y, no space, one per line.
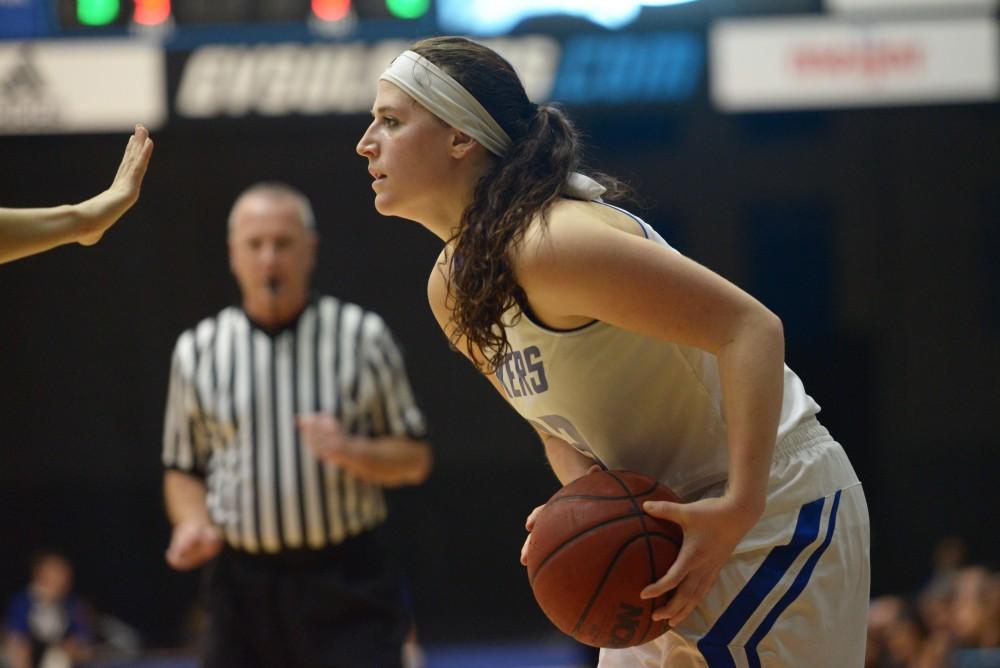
795,590
629,400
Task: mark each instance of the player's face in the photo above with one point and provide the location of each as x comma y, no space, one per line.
407,148
271,252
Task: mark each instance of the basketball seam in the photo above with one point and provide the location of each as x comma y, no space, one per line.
604,578
572,538
606,498
649,546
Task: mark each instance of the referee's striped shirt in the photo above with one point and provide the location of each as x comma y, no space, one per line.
234,393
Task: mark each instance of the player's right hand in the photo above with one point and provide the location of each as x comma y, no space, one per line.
192,544
529,525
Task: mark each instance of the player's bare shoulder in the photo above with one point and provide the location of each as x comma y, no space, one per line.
569,226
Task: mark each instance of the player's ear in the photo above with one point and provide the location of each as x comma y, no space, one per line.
461,144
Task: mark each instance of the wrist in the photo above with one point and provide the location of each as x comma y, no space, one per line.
747,507
82,219
191,517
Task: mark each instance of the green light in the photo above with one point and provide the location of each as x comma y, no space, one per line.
408,9
97,12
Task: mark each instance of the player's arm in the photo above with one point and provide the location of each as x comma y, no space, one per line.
26,232
567,462
585,268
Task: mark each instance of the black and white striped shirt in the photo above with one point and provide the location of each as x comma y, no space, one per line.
234,393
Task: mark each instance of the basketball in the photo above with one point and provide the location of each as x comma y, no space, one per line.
593,549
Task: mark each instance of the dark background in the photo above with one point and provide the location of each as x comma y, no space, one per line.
872,233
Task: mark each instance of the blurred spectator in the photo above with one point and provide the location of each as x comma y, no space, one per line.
976,618
905,639
935,603
881,613
954,624
46,624
897,636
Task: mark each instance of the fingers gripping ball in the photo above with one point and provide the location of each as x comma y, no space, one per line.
592,551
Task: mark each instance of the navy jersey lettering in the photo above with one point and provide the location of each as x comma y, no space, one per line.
536,370
522,373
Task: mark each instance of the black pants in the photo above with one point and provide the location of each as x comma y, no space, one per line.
340,607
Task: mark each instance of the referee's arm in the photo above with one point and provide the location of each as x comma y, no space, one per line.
389,461
398,452
194,539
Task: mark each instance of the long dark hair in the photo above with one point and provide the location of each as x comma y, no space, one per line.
545,149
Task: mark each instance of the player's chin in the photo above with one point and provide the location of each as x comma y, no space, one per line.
384,205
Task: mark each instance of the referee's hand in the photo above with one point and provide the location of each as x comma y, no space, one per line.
192,544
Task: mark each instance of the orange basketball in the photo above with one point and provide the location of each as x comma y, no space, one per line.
593,549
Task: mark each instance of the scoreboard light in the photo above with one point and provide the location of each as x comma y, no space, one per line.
408,9
151,12
339,16
331,10
97,12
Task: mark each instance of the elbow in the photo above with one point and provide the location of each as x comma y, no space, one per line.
762,326
774,329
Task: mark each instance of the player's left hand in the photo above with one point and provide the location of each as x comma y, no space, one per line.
712,529
324,436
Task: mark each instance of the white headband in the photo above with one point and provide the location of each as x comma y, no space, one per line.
447,99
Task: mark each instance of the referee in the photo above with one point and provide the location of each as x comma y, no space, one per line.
285,418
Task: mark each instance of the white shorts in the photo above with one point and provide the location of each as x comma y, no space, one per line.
795,592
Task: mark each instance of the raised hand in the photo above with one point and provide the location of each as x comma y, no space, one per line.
102,211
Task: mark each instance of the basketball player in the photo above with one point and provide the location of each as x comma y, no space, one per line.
622,352
25,232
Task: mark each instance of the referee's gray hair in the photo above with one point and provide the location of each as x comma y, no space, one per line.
278,189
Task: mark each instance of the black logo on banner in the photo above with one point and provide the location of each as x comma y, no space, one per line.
25,100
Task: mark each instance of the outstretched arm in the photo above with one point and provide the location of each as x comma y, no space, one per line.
26,232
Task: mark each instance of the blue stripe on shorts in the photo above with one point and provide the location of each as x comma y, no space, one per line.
713,645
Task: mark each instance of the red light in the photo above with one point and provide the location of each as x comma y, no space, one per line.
331,10
151,12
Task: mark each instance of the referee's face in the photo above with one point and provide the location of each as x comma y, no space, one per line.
271,254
